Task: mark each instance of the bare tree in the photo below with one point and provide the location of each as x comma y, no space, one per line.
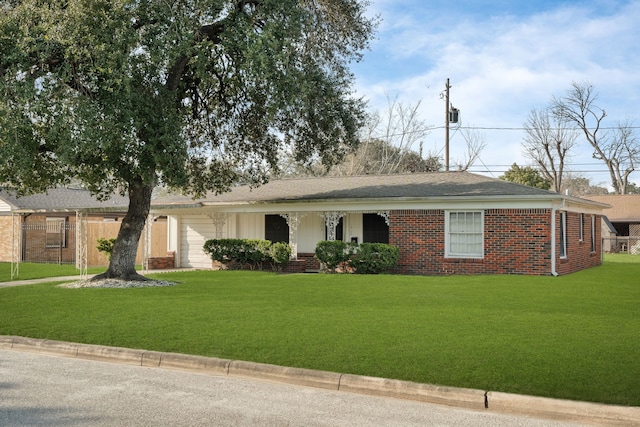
618,149
388,141
475,142
548,143
579,185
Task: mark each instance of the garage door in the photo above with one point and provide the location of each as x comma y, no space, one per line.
194,231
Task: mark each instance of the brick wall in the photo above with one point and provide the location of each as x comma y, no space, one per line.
6,238
35,247
419,234
579,252
516,241
163,263
305,262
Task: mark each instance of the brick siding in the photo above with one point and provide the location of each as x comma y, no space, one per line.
516,241
163,263
305,262
579,253
6,238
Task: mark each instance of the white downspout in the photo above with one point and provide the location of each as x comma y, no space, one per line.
553,238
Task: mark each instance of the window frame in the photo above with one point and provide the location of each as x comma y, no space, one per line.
593,233
448,235
563,234
581,230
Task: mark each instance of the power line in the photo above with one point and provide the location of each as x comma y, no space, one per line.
496,128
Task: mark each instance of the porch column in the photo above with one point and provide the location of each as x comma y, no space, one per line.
147,241
293,221
16,245
219,221
331,220
82,244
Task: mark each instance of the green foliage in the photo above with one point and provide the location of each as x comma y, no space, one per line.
333,253
527,176
374,258
195,94
252,253
106,246
280,254
366,258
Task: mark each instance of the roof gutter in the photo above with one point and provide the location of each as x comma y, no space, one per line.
554,210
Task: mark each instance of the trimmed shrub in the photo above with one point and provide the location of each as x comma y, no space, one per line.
223,250
280,254
252,253
374,258
333,253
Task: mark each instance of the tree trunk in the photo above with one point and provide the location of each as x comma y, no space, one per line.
123,259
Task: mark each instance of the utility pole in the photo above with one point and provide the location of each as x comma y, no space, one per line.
446,127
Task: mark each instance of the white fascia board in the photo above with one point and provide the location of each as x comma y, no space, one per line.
585,206
442,203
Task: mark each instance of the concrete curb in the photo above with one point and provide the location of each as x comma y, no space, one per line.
450,396
567,410
297,376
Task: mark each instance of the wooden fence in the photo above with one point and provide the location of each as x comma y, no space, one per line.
100,229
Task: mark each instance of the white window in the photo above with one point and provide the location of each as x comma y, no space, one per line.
593,233
563,234
581,227
56,233
464,234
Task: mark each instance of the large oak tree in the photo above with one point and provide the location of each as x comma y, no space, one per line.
194,95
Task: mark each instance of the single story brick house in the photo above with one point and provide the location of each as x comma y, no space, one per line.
45,228
442,222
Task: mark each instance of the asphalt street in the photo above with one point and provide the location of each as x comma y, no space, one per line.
44,390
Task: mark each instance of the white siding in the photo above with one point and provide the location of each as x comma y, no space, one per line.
4,207
310,232
250,226
353,227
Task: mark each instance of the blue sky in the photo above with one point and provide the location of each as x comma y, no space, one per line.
503,59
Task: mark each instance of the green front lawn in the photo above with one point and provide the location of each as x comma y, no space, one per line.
573,337
30,270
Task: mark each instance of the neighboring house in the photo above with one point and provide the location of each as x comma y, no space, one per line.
609,236
443,223
45,228
624,215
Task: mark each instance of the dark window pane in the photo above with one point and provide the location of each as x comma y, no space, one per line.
374,229
276,228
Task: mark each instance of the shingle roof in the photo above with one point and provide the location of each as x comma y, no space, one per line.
57,199
624,207
419,185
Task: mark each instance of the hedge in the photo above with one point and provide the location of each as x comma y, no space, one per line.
365,258
248,252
